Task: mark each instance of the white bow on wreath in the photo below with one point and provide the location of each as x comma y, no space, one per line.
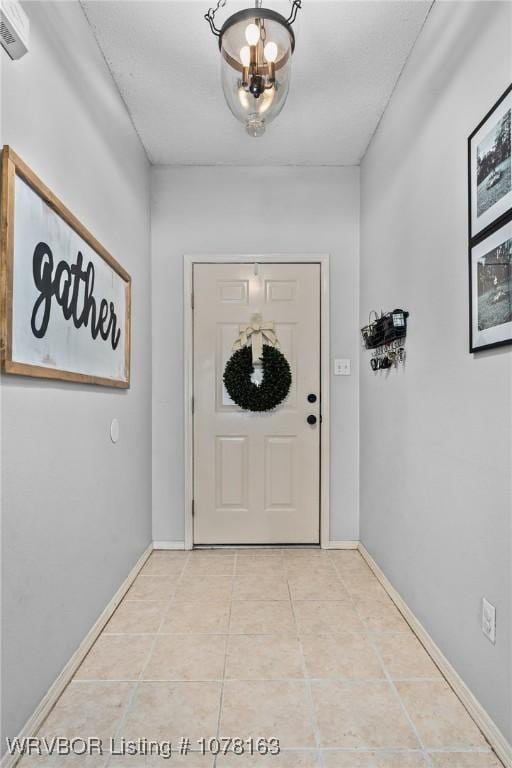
256,334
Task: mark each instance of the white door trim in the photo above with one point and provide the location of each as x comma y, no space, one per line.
313,258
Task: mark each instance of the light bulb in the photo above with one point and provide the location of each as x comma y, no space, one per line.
252,34
271,52
245,55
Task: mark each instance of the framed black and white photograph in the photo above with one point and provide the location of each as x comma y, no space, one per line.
491,290
66,302
490,168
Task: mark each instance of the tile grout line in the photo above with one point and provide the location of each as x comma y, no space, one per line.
372,642
401,704
307,685
350,680
136,687
221,700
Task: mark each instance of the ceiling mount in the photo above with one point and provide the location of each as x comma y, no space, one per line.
256,45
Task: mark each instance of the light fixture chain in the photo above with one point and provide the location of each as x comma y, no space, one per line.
296,6
210,16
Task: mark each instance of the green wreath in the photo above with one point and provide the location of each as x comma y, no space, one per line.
276,383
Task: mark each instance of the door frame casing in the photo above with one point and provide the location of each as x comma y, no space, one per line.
189,260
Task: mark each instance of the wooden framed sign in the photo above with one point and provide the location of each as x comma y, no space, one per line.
66,302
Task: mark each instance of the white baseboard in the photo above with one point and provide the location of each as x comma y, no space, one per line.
349,544
488,727
46,704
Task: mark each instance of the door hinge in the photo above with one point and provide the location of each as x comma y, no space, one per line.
193,403
193,507
192,299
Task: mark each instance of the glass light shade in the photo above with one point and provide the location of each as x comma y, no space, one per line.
255,68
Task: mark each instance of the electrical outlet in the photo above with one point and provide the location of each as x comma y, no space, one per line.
489,620
341,367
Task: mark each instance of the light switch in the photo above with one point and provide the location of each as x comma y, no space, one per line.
342,367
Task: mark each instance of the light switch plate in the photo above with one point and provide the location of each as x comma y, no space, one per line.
342,367
489,620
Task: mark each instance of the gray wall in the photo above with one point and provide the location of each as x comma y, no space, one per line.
76,509
251,210
436,436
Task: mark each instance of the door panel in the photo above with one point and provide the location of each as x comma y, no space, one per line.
281,474
256,475
233,291
231,466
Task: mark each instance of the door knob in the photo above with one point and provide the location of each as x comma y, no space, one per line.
311,419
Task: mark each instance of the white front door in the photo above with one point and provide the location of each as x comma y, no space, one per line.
256,475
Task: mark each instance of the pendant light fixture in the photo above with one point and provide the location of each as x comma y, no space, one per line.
256,46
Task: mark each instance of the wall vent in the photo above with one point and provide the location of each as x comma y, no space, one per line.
6,35
14,28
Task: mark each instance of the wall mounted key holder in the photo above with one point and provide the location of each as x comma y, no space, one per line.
385,337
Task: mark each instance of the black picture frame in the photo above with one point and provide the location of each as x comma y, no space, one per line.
494,213
490,289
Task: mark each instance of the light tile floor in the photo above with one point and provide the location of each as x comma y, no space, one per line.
300,645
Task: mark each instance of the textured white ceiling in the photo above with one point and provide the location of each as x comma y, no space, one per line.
166,65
